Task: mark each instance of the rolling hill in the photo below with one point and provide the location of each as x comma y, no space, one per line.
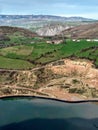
6,30
88,31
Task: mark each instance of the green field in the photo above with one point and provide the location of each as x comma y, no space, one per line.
7,63
30,55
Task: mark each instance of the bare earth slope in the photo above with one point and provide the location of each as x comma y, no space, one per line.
89,31
65,79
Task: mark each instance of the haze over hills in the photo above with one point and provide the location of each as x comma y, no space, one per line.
44,25
44,17
37,21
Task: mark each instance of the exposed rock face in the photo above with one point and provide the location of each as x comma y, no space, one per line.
51,30
63,79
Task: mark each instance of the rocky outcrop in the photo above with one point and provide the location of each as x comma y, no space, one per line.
51,30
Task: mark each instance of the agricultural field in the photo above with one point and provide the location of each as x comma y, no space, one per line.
27,56
8,63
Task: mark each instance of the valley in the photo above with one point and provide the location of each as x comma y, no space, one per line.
58,66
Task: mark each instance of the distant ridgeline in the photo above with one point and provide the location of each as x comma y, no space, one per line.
44,17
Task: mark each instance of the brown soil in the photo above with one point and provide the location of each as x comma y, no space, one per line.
71,80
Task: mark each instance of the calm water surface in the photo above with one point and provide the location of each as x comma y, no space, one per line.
30,113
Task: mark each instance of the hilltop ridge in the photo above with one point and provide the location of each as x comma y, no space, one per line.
88,31
7,30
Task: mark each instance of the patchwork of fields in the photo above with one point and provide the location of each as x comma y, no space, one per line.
27,56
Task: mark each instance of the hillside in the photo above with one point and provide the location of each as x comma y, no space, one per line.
6,30
29,65
88,31
12,36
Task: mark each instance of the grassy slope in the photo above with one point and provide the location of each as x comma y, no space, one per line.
17,57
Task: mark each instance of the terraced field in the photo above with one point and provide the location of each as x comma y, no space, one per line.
31,55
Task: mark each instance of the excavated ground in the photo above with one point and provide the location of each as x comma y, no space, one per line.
64,79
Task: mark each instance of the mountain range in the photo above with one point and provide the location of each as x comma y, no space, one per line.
48,25
44,17
37,21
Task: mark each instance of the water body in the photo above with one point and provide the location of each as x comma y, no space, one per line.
33,113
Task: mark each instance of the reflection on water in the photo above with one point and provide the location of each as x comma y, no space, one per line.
45,114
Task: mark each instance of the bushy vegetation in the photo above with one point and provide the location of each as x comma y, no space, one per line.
16,51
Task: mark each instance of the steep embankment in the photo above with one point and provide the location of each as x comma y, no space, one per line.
70,79
64,79
52,29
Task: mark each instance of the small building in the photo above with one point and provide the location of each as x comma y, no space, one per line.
78,40
73,40
55,40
